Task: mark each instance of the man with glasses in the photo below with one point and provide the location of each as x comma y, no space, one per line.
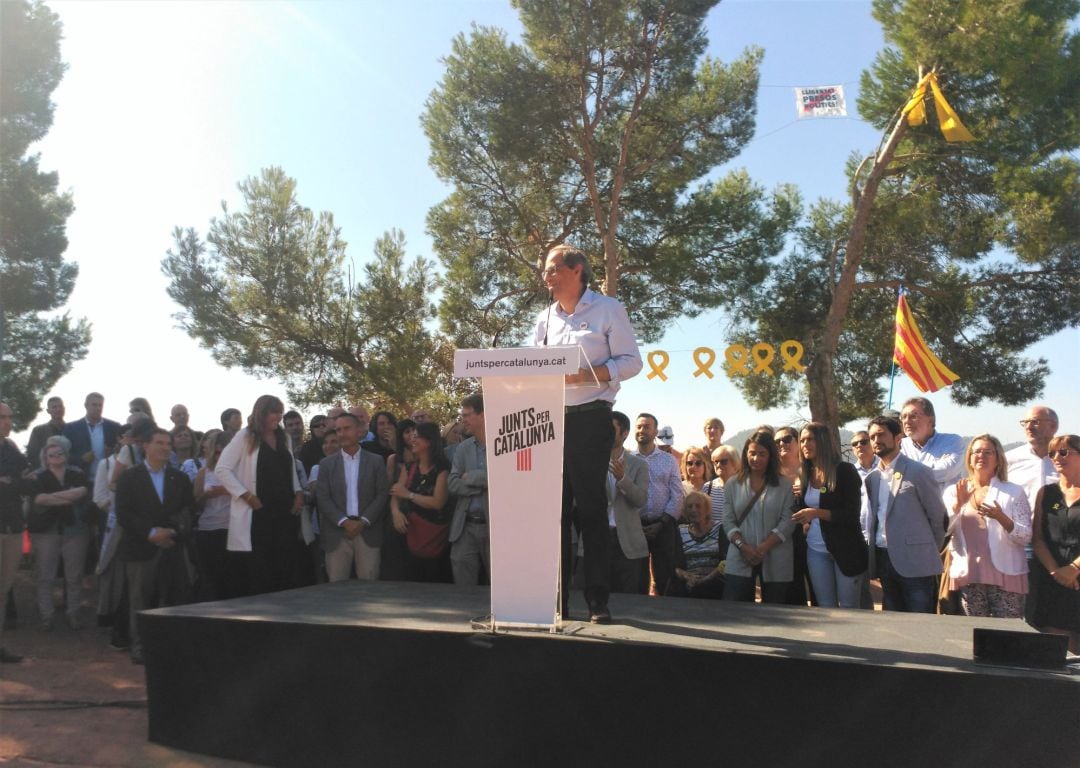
600,326
940,452
1030,468
865,463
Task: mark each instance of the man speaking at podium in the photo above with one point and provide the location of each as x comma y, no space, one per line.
599,324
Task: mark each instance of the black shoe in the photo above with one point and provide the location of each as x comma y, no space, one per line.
599,614
119,644
7,657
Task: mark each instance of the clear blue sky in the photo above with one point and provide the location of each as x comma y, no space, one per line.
166,106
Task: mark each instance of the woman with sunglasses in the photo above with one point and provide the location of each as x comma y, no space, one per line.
1057,545
698,475
990,522
830,502
725,461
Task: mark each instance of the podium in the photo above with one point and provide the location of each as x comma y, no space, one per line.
524,404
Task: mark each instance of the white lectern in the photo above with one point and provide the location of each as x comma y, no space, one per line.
524,400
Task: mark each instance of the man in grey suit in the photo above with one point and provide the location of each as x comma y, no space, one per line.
470,541
627,492
905,525
353,492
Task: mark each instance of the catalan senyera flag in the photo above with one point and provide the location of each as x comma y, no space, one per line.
910,352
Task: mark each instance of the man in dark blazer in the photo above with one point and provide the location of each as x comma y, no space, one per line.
155,508
905,524
353,494
92,437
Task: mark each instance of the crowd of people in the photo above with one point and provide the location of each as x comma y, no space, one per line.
258,505
165,517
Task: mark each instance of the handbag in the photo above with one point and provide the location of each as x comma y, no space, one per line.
425,539
948,602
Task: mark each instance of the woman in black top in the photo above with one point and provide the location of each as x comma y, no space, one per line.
1056,541
275,520
423,490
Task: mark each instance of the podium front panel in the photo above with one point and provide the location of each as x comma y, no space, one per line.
523,418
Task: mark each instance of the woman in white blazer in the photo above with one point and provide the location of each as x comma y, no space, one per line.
258,469
990,522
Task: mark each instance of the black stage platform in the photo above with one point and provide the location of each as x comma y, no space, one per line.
391,674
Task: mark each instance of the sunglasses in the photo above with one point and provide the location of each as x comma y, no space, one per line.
725,460
860,443
1061,453
695,463
786,439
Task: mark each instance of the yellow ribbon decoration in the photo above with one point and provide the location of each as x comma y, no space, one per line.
763,362
737,357
792,352
915,110
658,367
703,367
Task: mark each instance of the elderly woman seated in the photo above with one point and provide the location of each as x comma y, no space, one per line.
699,560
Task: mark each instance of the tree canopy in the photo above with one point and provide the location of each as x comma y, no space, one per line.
269,291
982,234
603,128
37,347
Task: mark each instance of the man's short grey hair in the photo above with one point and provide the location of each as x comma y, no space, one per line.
571,257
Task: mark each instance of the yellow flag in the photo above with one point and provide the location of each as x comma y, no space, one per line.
915,110
949,121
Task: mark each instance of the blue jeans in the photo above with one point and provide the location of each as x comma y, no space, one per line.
913,594
832,588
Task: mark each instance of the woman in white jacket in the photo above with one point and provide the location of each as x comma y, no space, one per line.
258,469
990,522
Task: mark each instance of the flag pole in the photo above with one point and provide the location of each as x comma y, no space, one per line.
892,373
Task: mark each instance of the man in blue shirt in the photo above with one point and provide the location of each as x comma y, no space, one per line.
600,326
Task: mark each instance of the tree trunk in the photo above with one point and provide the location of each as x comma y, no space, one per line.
820,374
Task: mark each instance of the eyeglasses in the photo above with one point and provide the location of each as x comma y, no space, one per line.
1061,453
720,462
984,452
860,443
695,463
912,416
549,271
1032,422
786,439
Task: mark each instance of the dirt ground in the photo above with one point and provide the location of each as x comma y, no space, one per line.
73,701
